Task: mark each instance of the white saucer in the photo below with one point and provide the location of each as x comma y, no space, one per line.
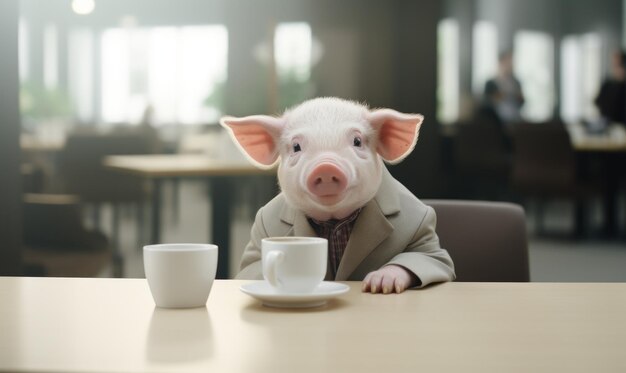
263,291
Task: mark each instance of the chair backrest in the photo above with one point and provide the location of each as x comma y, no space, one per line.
82,171
55,241
543,158
54,221
486,240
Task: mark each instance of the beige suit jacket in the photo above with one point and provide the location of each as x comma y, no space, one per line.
393,228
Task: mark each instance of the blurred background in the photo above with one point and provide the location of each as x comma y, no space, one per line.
524,102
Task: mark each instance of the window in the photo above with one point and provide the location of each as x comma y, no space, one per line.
50,57
581,75
42,99
533,60
293,49
81,73
484,55
177,71
448,71
23,42
115,75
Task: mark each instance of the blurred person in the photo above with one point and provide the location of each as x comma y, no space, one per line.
611,100
503,97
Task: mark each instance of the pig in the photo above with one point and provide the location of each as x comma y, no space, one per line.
331,156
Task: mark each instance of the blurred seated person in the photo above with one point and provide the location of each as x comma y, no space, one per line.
503,97
611,100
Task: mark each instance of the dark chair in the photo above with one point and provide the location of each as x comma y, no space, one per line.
486,240
80,166
82,173
56,243
545,167
33,178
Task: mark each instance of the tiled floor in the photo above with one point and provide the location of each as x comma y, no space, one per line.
551,259
590,261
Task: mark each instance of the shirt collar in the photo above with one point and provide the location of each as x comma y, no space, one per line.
335,222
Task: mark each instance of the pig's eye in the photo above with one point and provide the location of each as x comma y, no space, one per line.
357,142
296,147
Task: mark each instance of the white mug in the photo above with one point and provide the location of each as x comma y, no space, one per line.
180,275
294,264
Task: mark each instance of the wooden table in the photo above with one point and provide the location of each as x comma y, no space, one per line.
610,148
613,140
33,143
219,173
111,325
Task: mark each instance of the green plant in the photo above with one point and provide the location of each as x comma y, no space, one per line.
216,98
292,90
38,102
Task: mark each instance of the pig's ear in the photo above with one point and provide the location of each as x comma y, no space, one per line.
397,133
257,137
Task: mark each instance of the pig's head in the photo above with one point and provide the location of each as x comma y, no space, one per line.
331,151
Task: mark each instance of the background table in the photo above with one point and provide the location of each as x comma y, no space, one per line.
111,325
610,148
221,175
613,140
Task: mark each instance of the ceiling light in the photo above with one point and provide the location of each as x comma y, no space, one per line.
83,7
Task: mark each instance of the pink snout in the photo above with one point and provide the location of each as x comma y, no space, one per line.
326,182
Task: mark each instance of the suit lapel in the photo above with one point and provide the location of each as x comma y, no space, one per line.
300,226
371,227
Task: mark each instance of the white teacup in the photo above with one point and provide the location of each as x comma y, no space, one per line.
180,275
294,264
